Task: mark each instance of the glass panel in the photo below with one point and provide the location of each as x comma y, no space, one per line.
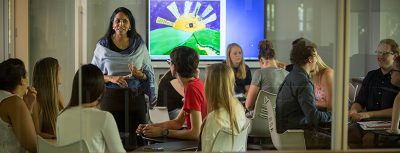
52,35
315,20
3,29
370,22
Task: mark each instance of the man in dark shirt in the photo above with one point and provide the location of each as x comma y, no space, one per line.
372,101
295,104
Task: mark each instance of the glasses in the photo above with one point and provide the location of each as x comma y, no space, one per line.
383,53
393,70
169,61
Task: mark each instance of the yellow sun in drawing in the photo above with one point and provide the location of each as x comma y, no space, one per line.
188,21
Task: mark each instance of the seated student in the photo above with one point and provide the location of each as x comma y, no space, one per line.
395,80
170,94
295,103
17,132
46,79
289,67
269,77
81,119
322,77
372,101
242,71
184,63
226,112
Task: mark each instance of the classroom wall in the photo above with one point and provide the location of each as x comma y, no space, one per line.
51,30
51,34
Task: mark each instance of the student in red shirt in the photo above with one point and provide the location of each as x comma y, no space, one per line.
183,64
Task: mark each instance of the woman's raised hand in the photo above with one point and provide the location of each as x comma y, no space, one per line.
135,72
30,97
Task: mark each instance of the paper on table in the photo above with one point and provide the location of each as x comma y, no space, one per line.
375,125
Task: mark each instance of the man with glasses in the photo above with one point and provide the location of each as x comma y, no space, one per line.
372,101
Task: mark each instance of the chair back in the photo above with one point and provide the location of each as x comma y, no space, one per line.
259,122
223,140
129,109
43,146
158,114
290,139
352,92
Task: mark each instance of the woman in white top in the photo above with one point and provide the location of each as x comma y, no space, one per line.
82,120
17,132
225,111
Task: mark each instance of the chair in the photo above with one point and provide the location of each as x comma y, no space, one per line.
352,92
223,140
259,122
290,139
129,108
158,114
43,146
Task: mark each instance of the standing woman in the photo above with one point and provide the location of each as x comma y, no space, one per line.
226,112
46,79
124,60
17,132
242,71
123,57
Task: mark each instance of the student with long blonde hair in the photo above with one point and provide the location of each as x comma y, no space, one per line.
225,111
234,59
46,79
322,77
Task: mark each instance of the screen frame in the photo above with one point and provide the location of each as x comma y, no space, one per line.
159,60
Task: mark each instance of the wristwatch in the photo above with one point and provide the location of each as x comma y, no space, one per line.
165,132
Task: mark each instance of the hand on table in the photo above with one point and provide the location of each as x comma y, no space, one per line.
151,131
355,117
139,130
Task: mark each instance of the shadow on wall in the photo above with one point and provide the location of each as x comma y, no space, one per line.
360,64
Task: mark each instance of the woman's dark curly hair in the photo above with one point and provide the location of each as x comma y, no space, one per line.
302,49
11,73
266,50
